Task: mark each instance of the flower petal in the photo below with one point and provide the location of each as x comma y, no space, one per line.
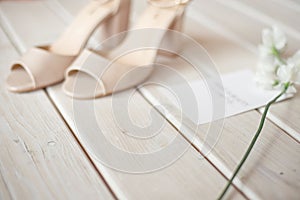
264,51
267,62
297,79
279,38
265,80
295,59
286,73
267,38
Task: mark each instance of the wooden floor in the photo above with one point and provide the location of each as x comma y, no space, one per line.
44,156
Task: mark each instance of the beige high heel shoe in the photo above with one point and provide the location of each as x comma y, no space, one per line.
45,65
92,75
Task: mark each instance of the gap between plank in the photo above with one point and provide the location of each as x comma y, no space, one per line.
87,154
78,142
170,122
277,122
214,25
19,47
198,150
6,30
257,15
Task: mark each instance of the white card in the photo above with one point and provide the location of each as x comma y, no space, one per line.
241,95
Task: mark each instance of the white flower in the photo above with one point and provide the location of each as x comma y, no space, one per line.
267,63
290,72
273,71
273,43
266,80
296,60
274,38
287,73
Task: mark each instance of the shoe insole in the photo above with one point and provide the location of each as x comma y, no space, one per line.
19,80
70,43
159,20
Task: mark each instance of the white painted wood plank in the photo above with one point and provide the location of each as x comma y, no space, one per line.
237,133
274,158
189,177
248,30
286,116
240,24
71,7
226,151
255,14
112,180
277,10
4,191
244,50
290,4
39,157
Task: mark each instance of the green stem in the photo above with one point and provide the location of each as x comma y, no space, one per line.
262,121
276,53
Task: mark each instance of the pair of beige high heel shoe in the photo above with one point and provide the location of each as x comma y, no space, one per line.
88,74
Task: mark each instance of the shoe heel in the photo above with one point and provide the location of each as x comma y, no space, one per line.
171,40
115,24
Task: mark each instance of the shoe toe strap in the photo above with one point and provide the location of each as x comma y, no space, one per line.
42,66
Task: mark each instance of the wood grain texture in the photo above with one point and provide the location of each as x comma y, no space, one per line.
242,42
189,177
274,158
70,7
39,157
269,160
4,191
260,16
286,115
211,33
221,54
280,11
247,33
